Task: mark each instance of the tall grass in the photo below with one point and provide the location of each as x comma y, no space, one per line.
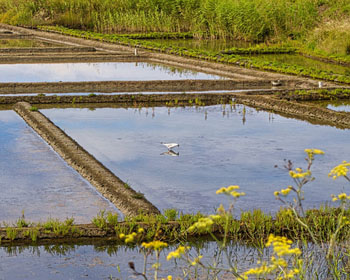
242,19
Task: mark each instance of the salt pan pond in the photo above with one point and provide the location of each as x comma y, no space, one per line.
219,146
35,180
99,71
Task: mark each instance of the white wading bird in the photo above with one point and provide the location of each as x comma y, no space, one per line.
276,83
170,145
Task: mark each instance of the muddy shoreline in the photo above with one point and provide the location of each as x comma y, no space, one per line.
128,201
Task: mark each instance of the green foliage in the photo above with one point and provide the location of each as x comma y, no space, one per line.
171,214
247,20
33,233
138,195
11,233
104,221
57,227
33,109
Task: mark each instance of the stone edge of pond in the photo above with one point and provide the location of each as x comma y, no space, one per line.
128,201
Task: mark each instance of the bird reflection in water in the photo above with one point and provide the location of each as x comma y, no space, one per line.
170,153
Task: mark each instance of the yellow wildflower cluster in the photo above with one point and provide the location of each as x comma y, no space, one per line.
281,246
342,197
340,170
312,152
277,264
283,192
203,224
155,245
129,238
299,174
177,253
169,277
231,191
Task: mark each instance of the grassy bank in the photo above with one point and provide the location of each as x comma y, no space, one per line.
319,27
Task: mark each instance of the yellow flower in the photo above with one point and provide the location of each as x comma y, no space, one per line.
122,236
342,197
285,191
312,152
281,248
155,245
300,175
130,237
276,194
141,230
230,190
177,253
340,170
215,217
203,224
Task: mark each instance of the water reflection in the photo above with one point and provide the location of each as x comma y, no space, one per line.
103,71
171,153
110,261
220,145
37,181
335,105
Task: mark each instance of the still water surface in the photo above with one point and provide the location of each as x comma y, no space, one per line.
35,180
99,71
219,146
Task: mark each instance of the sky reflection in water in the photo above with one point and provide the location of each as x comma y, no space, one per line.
99,71
35,180
216,149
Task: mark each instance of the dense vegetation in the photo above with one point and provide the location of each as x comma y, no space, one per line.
319,24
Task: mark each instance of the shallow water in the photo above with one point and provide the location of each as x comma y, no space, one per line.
35,180
108,261
335,105
218,147
295,59
24,43
104,261
100,71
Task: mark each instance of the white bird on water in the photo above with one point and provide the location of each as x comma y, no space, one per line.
170,145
